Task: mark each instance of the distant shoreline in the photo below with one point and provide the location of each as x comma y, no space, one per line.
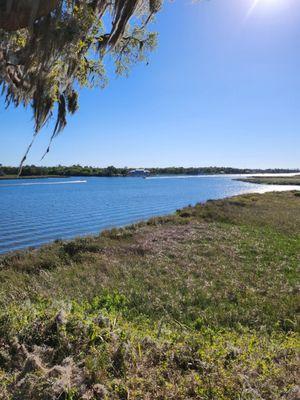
268,180
35,172
272,180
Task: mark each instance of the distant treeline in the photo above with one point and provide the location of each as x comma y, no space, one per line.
73,170
78,170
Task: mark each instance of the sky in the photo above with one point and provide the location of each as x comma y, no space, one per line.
222,88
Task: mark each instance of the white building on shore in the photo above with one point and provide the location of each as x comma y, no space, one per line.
140,172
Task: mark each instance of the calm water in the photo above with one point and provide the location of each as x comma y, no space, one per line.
34,212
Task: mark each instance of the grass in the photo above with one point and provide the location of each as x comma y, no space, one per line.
273,180
202,304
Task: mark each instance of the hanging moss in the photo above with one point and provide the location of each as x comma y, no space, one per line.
17,14
63,45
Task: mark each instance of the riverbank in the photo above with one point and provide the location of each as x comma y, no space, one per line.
197,305
111,171
273,180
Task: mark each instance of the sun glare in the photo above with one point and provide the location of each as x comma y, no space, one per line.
265,3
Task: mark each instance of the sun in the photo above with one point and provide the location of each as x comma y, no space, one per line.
271,2
256,3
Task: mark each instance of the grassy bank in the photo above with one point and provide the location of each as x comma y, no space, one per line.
273,180
197,305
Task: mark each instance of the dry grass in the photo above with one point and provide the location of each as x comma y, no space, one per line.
198,305
273,180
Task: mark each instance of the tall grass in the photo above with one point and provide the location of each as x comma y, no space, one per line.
201,304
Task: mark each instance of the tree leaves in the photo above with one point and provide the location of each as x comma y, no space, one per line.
43,64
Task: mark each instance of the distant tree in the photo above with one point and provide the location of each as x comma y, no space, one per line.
111,171
50,47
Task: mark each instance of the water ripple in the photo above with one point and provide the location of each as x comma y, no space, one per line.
34,213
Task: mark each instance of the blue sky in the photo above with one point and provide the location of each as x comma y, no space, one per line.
222,88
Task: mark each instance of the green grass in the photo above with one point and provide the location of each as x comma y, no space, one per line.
273,180
202,304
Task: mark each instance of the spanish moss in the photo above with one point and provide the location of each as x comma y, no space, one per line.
49,49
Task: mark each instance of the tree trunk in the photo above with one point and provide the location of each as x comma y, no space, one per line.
17,14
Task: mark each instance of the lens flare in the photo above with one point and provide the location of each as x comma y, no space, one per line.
256,3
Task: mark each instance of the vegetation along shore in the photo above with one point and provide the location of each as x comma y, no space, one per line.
273,180
201,304
78,170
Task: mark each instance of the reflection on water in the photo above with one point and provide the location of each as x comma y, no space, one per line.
42,182
38,211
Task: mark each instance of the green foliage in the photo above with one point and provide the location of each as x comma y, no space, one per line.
197,305
274,180
44,63
78,170
123,359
